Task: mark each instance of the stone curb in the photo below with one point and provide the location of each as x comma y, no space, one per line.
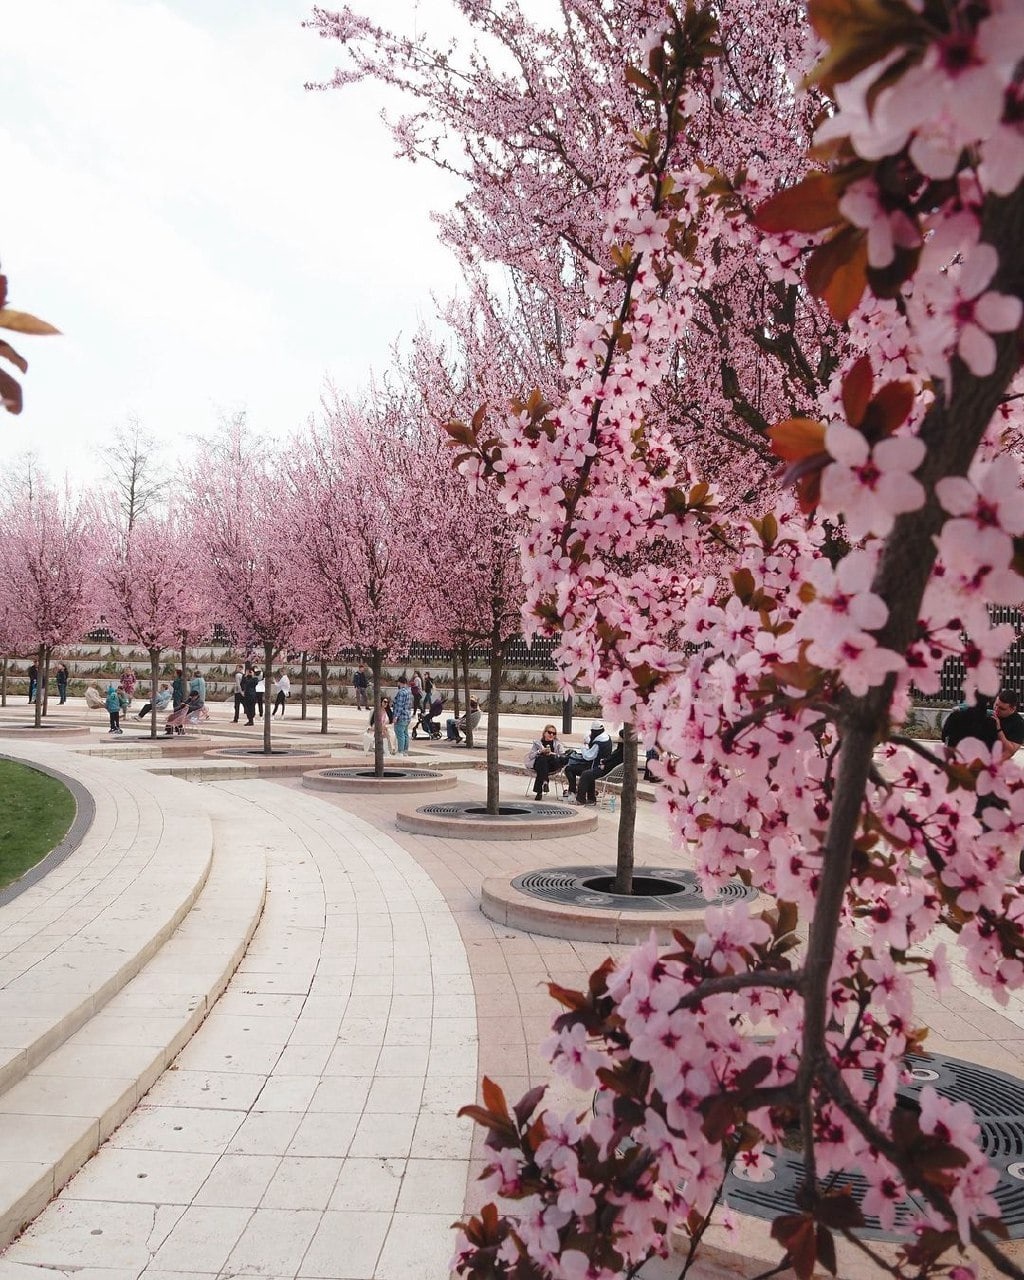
500,902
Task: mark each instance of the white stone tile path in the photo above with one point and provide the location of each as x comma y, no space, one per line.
296,1135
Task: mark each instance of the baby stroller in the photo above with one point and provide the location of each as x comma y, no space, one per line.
426,723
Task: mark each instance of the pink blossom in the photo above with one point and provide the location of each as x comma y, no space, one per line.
887,230
869,486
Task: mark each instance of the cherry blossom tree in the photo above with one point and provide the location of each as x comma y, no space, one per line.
776,677
536,117
148,589
47,558
240,523
473,575
356,520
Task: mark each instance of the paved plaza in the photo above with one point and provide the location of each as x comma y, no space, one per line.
276,1069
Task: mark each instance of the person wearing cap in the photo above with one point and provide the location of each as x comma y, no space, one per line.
597,748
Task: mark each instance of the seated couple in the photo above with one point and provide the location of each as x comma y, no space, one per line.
582,767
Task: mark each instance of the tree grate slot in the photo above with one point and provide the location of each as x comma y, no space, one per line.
998,1103
570,886
473,811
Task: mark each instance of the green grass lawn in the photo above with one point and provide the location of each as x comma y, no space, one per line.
35,814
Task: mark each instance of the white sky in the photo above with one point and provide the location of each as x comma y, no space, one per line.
207,235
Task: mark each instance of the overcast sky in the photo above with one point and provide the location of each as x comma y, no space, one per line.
208,235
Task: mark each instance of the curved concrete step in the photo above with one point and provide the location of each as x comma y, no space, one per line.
60,1111
72,940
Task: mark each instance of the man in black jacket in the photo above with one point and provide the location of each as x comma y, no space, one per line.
249,683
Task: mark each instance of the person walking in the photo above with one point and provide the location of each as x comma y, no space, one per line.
402,709
428,689
113,704
416,689
62,683
33,681
282,691
238,696
361,685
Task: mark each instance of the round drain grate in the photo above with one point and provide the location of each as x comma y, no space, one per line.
258,751
569,886
473,811
998,1103
368,773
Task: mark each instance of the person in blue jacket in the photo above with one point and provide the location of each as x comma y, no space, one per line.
113,704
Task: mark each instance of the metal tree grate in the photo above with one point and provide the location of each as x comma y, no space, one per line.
473,811
998,1103
567,886
364,773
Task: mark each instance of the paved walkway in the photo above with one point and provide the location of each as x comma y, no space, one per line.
308,1129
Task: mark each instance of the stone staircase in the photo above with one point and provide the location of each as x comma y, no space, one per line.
110,962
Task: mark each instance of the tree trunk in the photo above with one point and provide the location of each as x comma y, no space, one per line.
465,686
3,683
45,677
184,659
627,813
305,663
40,654
493,699
268,662
455,683
376,665
323,695
154,684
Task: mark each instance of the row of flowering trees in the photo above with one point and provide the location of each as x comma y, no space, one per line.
734,232
364,545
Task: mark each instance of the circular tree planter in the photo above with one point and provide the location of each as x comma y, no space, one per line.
362,779
163,744
515,820
745,1247
251,753
577,902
